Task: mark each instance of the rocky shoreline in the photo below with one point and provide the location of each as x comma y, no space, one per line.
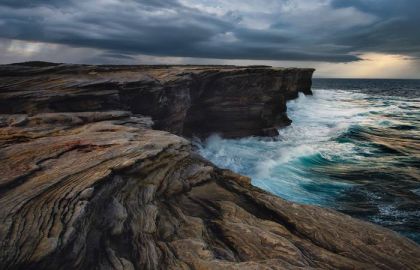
184,100
96,172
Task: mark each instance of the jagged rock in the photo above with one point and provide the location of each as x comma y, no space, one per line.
185,100
101,190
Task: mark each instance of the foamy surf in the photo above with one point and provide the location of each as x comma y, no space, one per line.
353,151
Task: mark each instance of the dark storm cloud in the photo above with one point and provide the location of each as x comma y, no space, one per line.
31,3
396,32
260,30
61,3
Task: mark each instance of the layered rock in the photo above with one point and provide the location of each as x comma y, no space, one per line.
84,185
185,100
102,190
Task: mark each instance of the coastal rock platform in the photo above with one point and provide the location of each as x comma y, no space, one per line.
92,179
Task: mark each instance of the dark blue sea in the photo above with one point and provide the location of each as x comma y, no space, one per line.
353,146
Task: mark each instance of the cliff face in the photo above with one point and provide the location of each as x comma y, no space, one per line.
103,190
232,101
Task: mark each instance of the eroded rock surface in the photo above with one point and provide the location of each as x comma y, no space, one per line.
185,100
85,184
101,190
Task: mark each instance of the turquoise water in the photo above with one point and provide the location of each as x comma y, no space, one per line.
357,151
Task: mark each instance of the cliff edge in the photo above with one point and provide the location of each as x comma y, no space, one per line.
86,189
185,100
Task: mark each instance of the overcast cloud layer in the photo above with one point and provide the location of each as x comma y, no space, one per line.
336,31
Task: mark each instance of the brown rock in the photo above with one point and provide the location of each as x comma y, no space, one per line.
185,100
103,190
84,185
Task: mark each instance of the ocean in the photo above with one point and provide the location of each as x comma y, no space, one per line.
353,146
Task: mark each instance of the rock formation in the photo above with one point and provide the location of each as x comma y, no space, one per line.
86,189
184,100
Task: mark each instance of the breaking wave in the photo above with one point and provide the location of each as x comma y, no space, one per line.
356,151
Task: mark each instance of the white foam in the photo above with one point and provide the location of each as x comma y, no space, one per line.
281,166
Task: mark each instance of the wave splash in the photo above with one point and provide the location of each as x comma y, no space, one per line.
355,152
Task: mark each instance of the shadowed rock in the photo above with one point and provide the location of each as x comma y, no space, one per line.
103,190
185,100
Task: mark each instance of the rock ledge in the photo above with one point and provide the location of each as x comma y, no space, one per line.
103,190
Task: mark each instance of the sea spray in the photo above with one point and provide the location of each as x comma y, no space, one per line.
354,151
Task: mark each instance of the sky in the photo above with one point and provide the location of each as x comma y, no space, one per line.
340,38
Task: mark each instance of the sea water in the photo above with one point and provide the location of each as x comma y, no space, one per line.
353,146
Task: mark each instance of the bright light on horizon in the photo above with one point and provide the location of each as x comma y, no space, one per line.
372,65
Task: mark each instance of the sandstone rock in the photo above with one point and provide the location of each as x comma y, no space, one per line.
103,190
86,183
185,100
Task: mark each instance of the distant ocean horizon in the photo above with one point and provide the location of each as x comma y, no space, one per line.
353,146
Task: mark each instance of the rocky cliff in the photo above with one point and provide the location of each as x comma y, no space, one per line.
184,100
86,189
